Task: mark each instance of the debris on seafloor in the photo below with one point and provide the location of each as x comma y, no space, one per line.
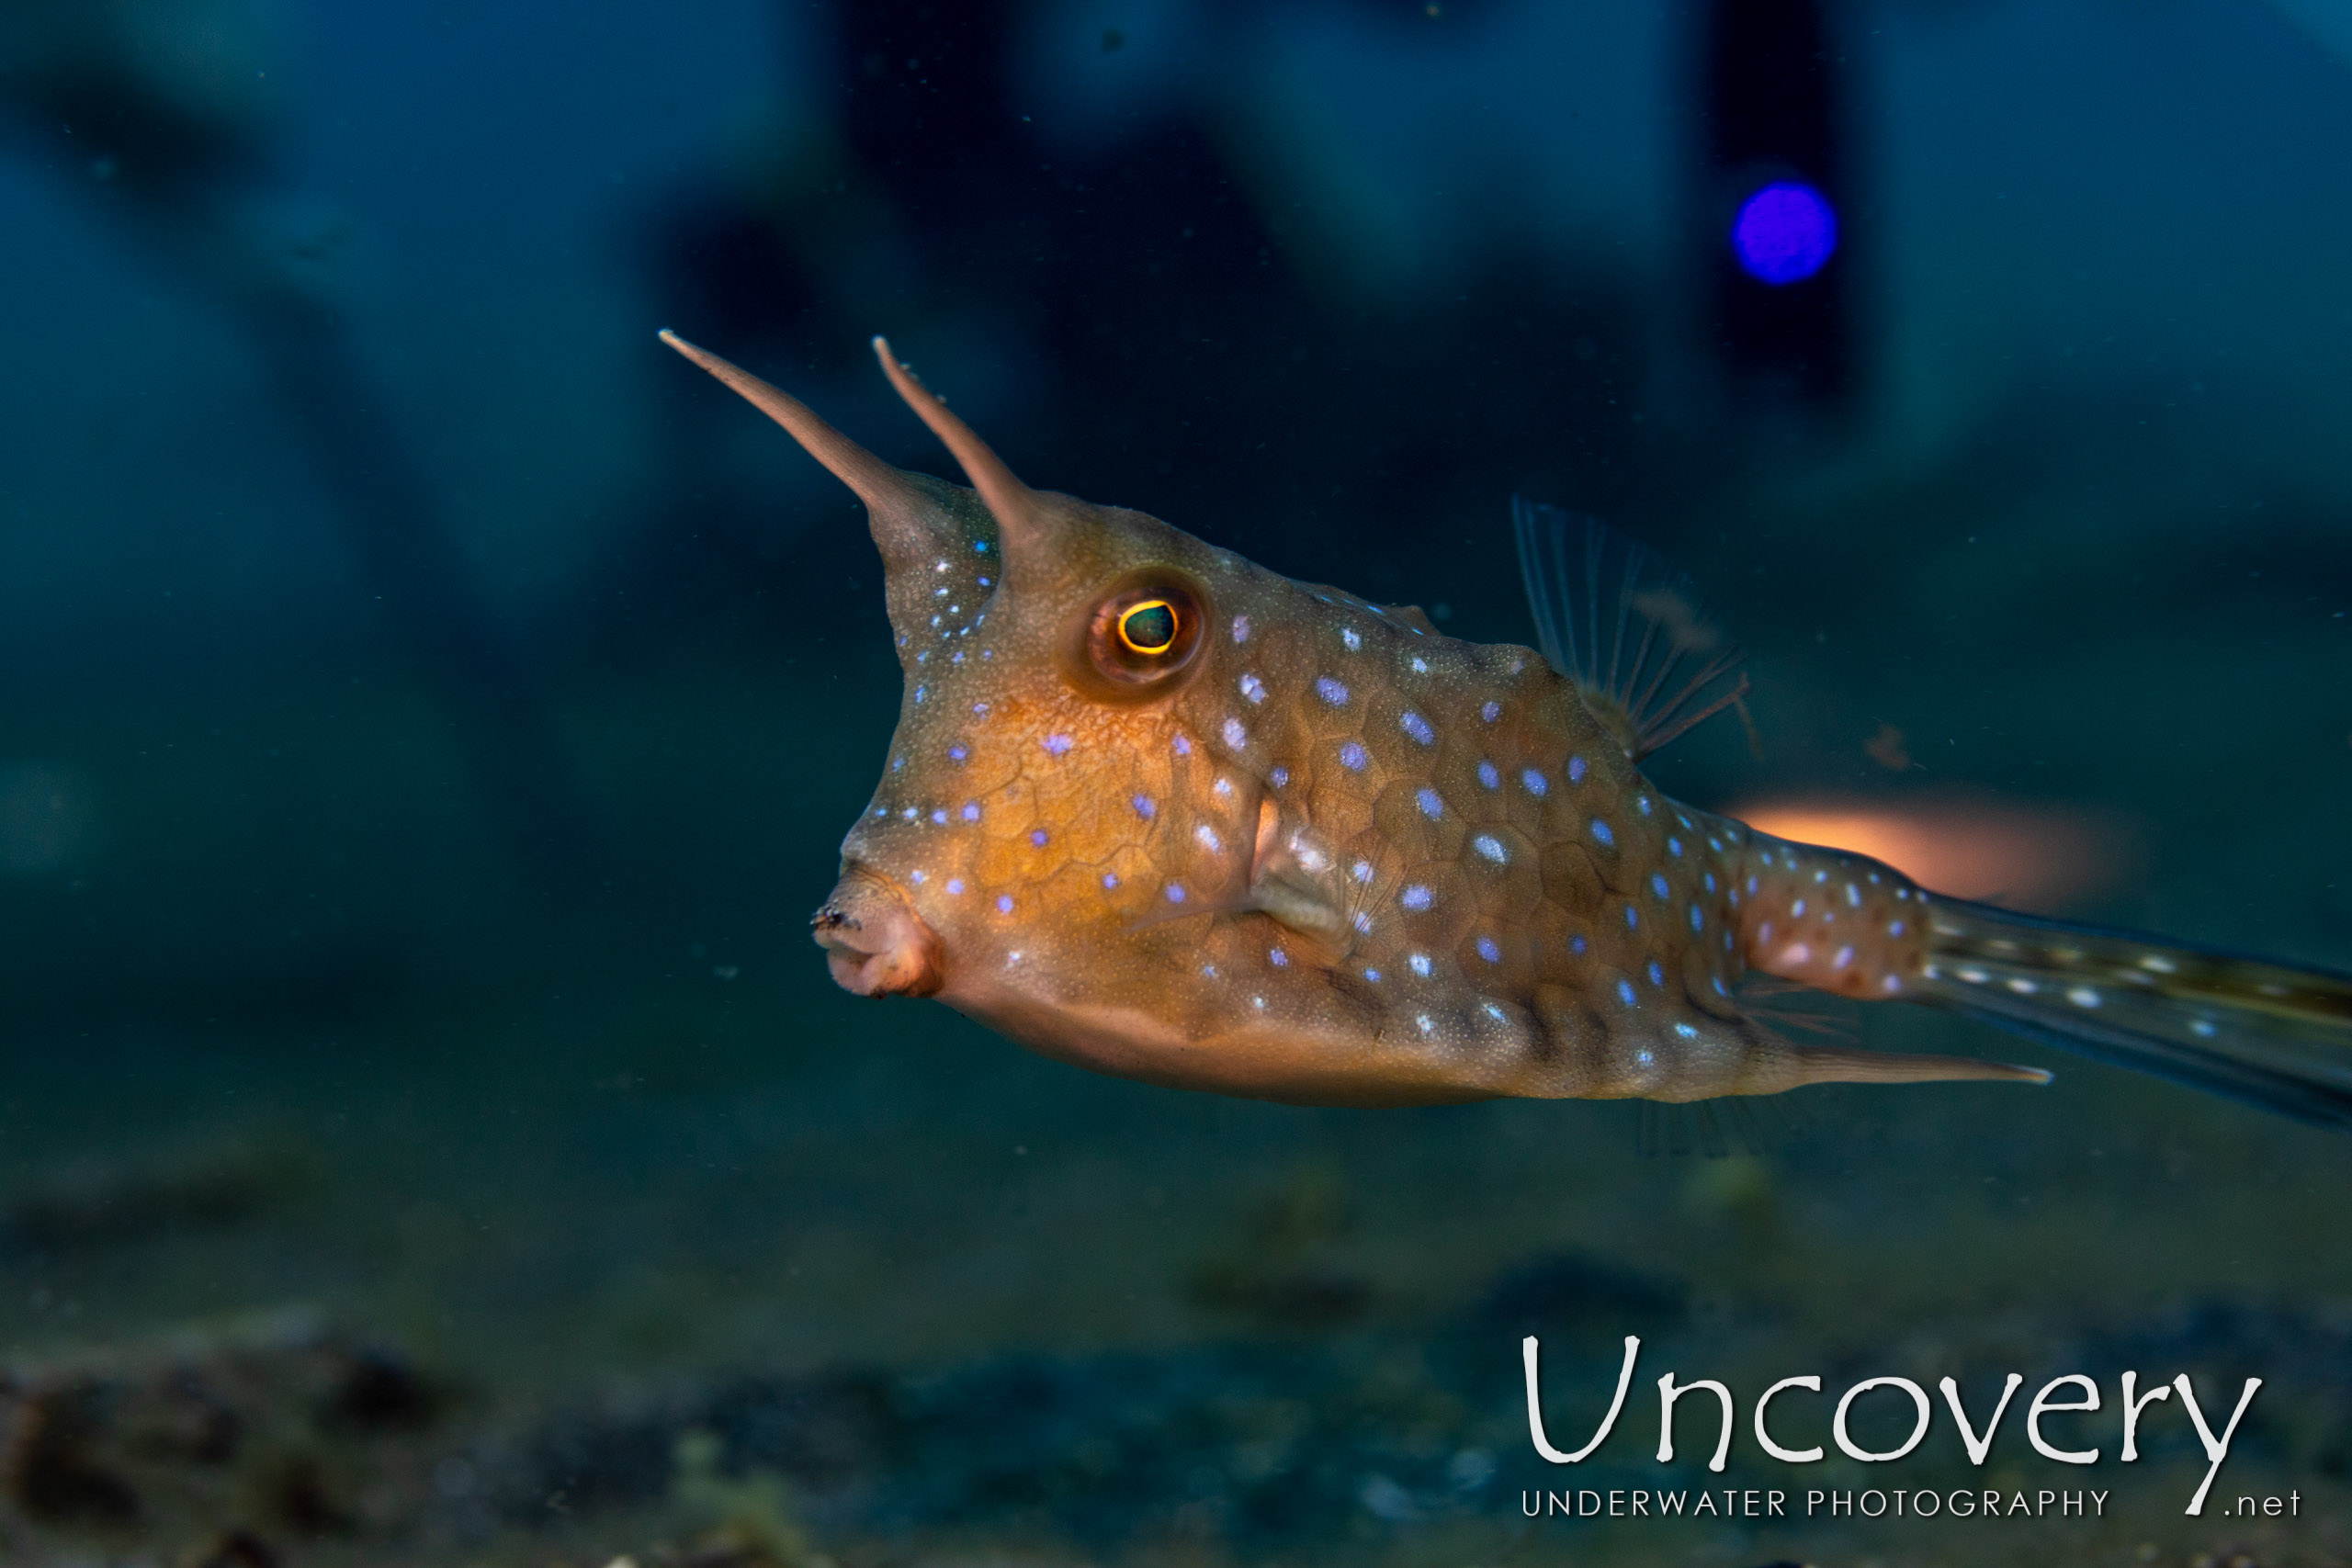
94,1203
283,1443
1285,1269
751,1516
222,1445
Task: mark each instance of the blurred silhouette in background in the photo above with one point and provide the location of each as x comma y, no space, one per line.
1137,298
154,108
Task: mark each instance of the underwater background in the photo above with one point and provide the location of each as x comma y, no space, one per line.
429,711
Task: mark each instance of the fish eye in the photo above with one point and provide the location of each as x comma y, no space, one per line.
1148,627
1142,634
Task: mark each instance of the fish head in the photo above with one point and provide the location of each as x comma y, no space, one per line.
1057,805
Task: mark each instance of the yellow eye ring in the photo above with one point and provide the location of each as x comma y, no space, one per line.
1149,627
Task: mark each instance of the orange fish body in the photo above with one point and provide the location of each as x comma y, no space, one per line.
1158,811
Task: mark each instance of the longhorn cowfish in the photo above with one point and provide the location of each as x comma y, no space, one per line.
1158,811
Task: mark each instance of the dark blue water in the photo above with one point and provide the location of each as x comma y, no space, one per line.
429,711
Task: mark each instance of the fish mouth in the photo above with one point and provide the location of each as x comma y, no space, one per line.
875,944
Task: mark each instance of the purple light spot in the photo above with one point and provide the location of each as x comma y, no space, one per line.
1351,757
1056,743
1416,726
1416,896
939,817
1491,847
1280,777
1145,807
1372,976
1175,892
1241,628
1278,958
984,582
1254,688
1037,836
1428,802
1784,233
1110,879
971,811
1488,775
1535,782
956,754
1184,746
1491,712
1489,950
1235,736
1004,903
955,884
1330,691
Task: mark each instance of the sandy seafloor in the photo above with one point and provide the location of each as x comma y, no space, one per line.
622,1231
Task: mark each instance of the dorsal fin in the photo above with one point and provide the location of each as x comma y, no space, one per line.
1625,626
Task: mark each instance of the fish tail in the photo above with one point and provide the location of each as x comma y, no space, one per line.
2262,1033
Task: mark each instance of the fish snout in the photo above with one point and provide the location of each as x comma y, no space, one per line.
875,944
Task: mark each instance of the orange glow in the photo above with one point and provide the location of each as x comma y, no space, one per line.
2024,856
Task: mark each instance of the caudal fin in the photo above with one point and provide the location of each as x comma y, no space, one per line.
2263,1033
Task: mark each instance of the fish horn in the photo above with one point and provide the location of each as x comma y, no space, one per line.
906,520
1020,512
